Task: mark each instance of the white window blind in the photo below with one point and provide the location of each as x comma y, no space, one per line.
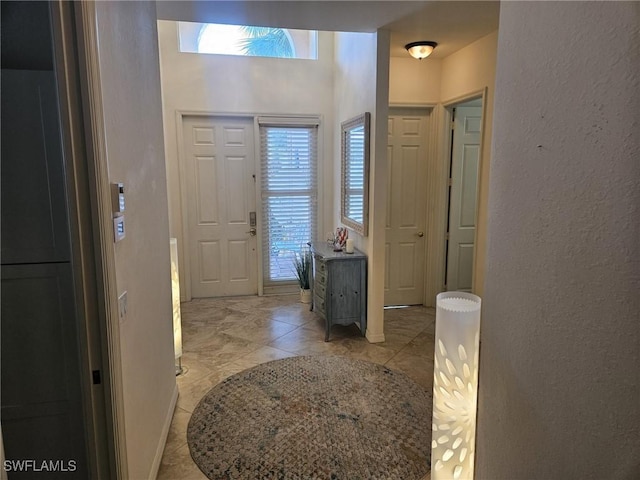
289,196
354,173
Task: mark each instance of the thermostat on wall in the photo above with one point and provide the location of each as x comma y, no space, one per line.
117,198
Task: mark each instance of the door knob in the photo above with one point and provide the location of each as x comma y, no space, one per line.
252,232
420,234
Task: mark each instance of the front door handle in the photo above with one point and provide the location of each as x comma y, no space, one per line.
420,234
252,232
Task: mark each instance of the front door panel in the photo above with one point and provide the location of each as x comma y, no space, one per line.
220,159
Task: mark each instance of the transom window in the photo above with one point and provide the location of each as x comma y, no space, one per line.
245,40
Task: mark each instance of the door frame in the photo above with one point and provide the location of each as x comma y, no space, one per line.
431,110
439,193
89,195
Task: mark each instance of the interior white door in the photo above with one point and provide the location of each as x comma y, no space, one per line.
406,207
220,164
465,161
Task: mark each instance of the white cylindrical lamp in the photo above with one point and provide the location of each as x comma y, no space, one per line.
175,298
455,385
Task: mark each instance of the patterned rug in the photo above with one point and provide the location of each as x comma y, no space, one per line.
313,418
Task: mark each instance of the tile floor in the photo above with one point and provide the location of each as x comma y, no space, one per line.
224,336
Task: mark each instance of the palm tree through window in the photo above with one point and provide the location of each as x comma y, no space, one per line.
253,41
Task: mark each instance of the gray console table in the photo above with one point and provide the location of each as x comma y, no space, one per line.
339,287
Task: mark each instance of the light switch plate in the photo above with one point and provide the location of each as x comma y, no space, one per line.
118,228
117,198
122,306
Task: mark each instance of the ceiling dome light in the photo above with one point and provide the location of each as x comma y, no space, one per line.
420,49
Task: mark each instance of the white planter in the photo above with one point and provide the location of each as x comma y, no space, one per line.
305,295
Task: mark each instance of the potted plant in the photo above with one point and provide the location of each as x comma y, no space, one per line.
302,263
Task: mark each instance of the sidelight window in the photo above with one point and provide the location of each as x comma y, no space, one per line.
289,194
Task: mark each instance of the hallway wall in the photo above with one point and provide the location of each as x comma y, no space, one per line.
559,363
133,135
414,82
361,85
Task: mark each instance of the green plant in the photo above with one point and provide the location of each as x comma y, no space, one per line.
302,264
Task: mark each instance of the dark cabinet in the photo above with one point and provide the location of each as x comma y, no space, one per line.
41,397
339,287
34,212
42,405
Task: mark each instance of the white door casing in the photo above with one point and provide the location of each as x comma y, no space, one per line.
465,162
219,160
406,208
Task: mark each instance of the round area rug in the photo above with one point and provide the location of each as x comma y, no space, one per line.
313,418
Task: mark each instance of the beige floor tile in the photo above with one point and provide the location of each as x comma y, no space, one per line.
260,330
192,392
309,340
194,369
297,339
179,466
363,350
421,345
297,314
177,431
396,341
221,349
419,369
406,326
263,355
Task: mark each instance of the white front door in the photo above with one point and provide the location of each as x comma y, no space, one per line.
465,161
406,208
220,163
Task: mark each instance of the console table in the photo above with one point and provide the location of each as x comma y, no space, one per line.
339,287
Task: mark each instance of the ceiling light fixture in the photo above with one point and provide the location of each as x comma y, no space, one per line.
420,49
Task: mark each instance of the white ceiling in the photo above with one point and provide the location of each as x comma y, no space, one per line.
453,24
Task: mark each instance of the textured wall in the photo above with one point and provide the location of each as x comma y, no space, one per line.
133,130
559,395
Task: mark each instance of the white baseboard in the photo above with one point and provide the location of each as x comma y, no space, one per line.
375,338
157,459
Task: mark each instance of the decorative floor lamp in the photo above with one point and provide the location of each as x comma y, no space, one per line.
175,298
455,385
